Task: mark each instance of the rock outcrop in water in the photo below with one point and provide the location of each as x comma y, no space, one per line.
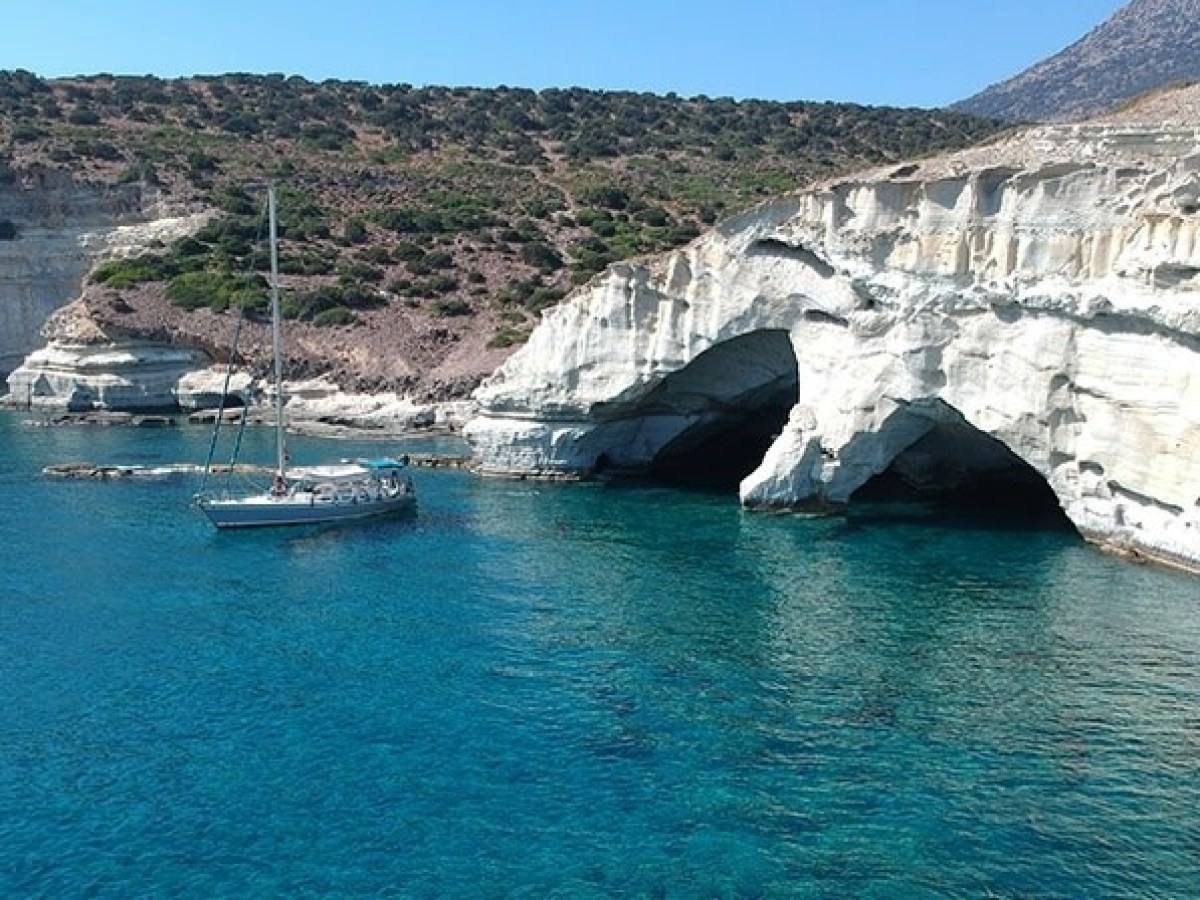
129,376
1034,302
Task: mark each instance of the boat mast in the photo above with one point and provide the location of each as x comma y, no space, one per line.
275,326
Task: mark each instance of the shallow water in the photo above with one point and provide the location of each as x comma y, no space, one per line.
534,690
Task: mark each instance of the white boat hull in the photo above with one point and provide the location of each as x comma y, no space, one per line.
301,509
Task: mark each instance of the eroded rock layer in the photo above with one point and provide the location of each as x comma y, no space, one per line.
52,231
1044,292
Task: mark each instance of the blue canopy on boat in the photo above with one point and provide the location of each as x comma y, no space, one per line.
384,462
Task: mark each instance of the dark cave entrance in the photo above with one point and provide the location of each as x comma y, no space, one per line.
717,457
737,396
963,476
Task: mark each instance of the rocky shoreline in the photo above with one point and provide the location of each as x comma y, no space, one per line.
98,472
438,424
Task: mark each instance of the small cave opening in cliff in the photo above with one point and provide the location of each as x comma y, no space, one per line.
963,476
718,456
735,399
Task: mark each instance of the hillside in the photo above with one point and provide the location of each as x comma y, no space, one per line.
1144,46
423,229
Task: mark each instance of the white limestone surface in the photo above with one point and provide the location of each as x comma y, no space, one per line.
1045,292
322,401
55,356
63,230
82,376
200,389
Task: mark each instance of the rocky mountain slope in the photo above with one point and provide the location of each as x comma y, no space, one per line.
424,230
1144,46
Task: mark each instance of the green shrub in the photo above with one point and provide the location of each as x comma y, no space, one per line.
354,232
189,246
310,305
407,252
681,234
307,304
445,213
235,201
217,291
84,116
127,275
541,208
338,315
97,150
199,161
542,256
234,236
439,284
360,271
122,273
142,171
517,293
439,259
655,216
544,297
379,255
306,263
26,133
358,296
327,137
452,306
418,267
607,196
589,217
591,256
508,337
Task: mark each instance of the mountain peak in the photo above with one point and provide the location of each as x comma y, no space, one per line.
1144,45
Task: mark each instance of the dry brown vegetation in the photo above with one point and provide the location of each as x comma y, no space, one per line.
423,229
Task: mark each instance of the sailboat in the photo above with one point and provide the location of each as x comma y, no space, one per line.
305,495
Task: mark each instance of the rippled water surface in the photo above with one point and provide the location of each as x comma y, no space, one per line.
576,691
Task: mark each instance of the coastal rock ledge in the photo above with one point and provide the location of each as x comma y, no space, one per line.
1037,299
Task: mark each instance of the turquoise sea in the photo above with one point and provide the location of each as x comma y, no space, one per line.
534,690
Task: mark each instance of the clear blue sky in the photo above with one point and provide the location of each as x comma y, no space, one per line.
894,52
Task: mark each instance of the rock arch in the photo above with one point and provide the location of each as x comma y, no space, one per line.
711,421
1012,300
937,455
927,444
1100,409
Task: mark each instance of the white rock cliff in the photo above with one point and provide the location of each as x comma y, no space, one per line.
1042,294
58,231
